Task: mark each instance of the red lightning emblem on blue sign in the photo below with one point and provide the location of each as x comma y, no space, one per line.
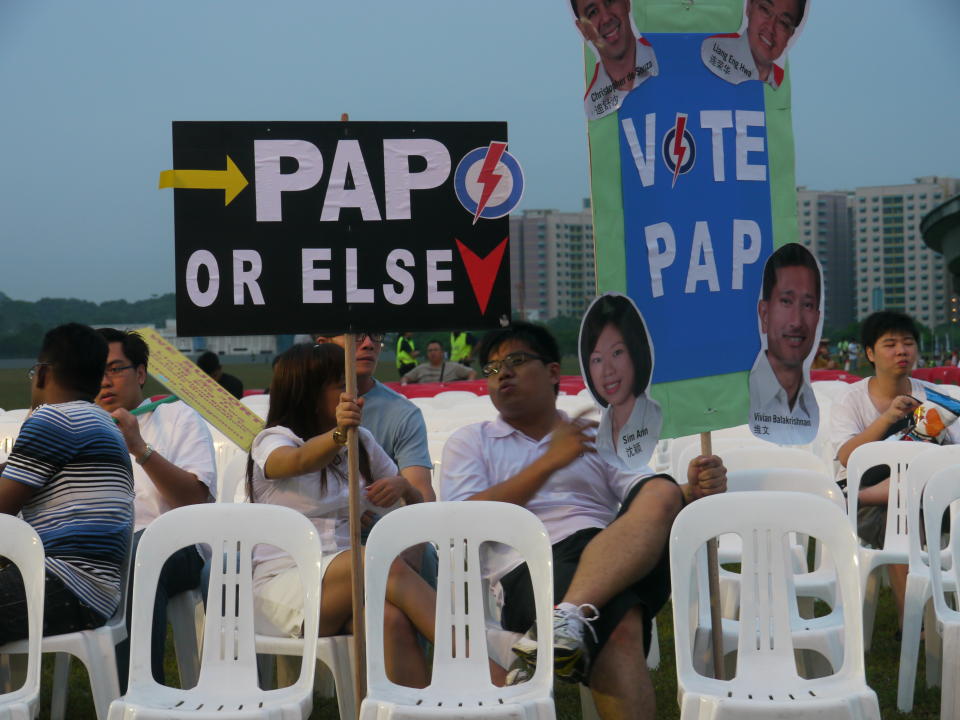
678,149
487,177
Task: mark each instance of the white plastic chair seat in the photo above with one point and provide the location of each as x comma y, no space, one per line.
20,544
766,683
227,686
460,682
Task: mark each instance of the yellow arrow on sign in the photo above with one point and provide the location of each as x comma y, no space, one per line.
231,180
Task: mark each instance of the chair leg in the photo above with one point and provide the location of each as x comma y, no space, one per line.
61,685
653,656
98,655
870,597
949,692
181,612
338,659
932,645
910,641
588,709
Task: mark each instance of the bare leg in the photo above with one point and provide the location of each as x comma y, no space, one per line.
411,593
875,494
605,569
898,584
403,658
620,681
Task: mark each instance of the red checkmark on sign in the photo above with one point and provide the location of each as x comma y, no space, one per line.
482,271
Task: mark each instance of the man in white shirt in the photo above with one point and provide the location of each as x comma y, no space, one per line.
174,465
624,58
608,527
877,408
783,408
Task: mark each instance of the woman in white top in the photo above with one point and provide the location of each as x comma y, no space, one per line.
617,363
300,460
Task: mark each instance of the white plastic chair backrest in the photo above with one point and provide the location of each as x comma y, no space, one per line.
923,467
229,662
688,450
16,415
573,405
260,404
942,490
833,390
454,398
460,666
897,455
764,521
232,475
20,544
771,456
9,430
786,480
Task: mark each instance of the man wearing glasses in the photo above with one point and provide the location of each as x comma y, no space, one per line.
609,527
396,423
68,449
174,466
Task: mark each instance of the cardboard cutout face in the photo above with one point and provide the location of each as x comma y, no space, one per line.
616,361
758,51
783,408
624,58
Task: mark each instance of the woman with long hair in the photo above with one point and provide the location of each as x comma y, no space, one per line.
300,460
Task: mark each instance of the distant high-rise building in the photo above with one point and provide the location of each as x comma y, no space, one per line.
895,269
826,227
552,263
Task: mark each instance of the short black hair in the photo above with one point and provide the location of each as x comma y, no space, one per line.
536,337
434,341
789,255
77,355
209,362
616,310
883,322
132,344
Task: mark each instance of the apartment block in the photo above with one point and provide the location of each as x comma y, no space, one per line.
826,227
552,263
895,270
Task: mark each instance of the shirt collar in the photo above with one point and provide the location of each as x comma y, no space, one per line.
766,378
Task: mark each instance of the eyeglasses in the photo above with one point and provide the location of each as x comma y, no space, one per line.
114,370
512,360
374,337
32,372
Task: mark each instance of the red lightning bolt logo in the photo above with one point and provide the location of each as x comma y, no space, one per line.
487,177
678,149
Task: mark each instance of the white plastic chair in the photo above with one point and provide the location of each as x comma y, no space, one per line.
460,684
96,649
896,550
767,456
20,544
260,404
228,673
766,683
942,490
232,475
919,589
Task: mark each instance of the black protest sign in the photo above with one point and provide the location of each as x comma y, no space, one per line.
286,227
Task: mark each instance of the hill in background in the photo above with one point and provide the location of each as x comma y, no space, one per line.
22,323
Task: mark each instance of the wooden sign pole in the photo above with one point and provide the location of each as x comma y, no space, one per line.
713,583
356,554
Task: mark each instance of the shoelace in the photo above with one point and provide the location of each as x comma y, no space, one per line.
584,621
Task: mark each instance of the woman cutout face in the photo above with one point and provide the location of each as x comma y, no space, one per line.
616,360
611,368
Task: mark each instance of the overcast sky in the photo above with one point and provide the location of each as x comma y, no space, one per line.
88,91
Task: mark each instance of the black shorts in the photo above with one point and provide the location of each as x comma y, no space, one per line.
650,593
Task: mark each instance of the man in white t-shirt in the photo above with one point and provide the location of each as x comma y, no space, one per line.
877,408
174,465
608,527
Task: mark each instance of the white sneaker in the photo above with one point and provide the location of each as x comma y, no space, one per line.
571,659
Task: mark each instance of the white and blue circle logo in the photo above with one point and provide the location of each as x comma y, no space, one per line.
489,182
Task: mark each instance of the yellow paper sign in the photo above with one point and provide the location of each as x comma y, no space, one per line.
200,391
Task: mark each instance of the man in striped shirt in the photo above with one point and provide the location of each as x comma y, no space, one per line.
69,476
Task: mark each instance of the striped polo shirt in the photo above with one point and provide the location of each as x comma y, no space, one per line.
75,457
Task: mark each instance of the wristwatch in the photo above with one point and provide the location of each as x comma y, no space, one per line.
146,454
340,436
